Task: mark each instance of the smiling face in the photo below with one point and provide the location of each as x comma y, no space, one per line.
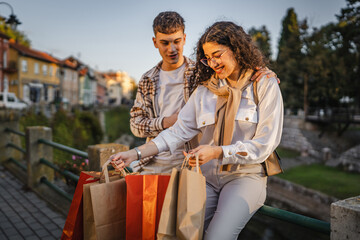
222,61
171,49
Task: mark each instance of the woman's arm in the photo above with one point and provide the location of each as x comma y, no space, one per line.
184,129
123,159
268,131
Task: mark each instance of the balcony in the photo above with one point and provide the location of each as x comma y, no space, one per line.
11,67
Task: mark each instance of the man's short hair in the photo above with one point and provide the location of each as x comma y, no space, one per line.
168,22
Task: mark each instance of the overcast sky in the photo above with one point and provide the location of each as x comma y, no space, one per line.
116,35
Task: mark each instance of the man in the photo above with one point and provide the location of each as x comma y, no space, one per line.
163,91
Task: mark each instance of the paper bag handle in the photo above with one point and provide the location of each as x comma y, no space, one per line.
104,170
198,170
186,163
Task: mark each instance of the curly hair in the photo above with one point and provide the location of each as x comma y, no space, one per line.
247,55
168,22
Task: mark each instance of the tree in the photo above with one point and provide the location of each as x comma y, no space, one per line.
288,62
349,28
18,36
324,67
261,37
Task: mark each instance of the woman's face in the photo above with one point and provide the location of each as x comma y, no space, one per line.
222,60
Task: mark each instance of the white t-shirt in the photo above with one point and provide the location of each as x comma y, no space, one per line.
169,99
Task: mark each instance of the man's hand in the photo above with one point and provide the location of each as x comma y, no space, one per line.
169,121
260,72
205,153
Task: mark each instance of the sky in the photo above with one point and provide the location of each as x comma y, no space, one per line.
117,35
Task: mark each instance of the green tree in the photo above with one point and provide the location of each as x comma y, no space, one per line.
288,62
349,28
261,37
18,36
324,67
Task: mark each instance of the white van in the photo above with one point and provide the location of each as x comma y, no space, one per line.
9,100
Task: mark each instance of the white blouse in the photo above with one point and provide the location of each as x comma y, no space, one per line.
257,131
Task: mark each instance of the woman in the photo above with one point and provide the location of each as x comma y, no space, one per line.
237,134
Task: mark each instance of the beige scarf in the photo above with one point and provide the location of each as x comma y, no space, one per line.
227,105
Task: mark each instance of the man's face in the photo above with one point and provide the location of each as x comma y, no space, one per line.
170,48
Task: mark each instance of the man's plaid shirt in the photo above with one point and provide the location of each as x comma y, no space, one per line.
144,121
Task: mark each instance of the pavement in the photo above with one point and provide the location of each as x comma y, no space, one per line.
23,215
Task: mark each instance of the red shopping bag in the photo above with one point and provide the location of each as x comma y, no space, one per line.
73,228
144,200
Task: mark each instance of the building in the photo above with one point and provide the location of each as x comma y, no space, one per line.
69,82
127,83
36,74
101,89
114,90
87,87
4,65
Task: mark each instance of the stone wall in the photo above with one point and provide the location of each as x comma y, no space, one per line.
293,137
349,160
334,150
296,198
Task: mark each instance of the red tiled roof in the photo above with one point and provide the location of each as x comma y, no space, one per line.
83,71
69,64
33,53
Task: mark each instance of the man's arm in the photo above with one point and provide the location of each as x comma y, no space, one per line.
141,124
169,121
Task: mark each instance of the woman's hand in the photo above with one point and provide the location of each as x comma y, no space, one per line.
121,160
205,153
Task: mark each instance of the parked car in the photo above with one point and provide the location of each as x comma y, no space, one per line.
10,101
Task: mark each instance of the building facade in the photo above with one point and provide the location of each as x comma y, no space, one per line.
36,79
69,82
4,65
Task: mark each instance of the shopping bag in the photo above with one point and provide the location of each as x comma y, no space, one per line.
88,214
191,203
145,196
73,228
167,222
108,202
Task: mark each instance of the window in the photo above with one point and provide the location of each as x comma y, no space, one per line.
5,59
44,70
11,99
51,71
24,66
36,68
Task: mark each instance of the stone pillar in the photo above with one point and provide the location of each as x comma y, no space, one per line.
35,151
9,119
345,219
326,154
100,153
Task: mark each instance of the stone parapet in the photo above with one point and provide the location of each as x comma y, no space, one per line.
345,219
98,154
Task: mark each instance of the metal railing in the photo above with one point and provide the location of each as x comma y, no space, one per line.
44,180
64,148
301,220
65,173
9,130
298,219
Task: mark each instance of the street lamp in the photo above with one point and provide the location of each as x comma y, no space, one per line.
12,20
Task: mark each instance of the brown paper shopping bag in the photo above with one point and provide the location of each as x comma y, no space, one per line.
73,228
191,203
89,224
167,222
108,201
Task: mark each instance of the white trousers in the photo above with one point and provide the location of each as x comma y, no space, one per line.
232,199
